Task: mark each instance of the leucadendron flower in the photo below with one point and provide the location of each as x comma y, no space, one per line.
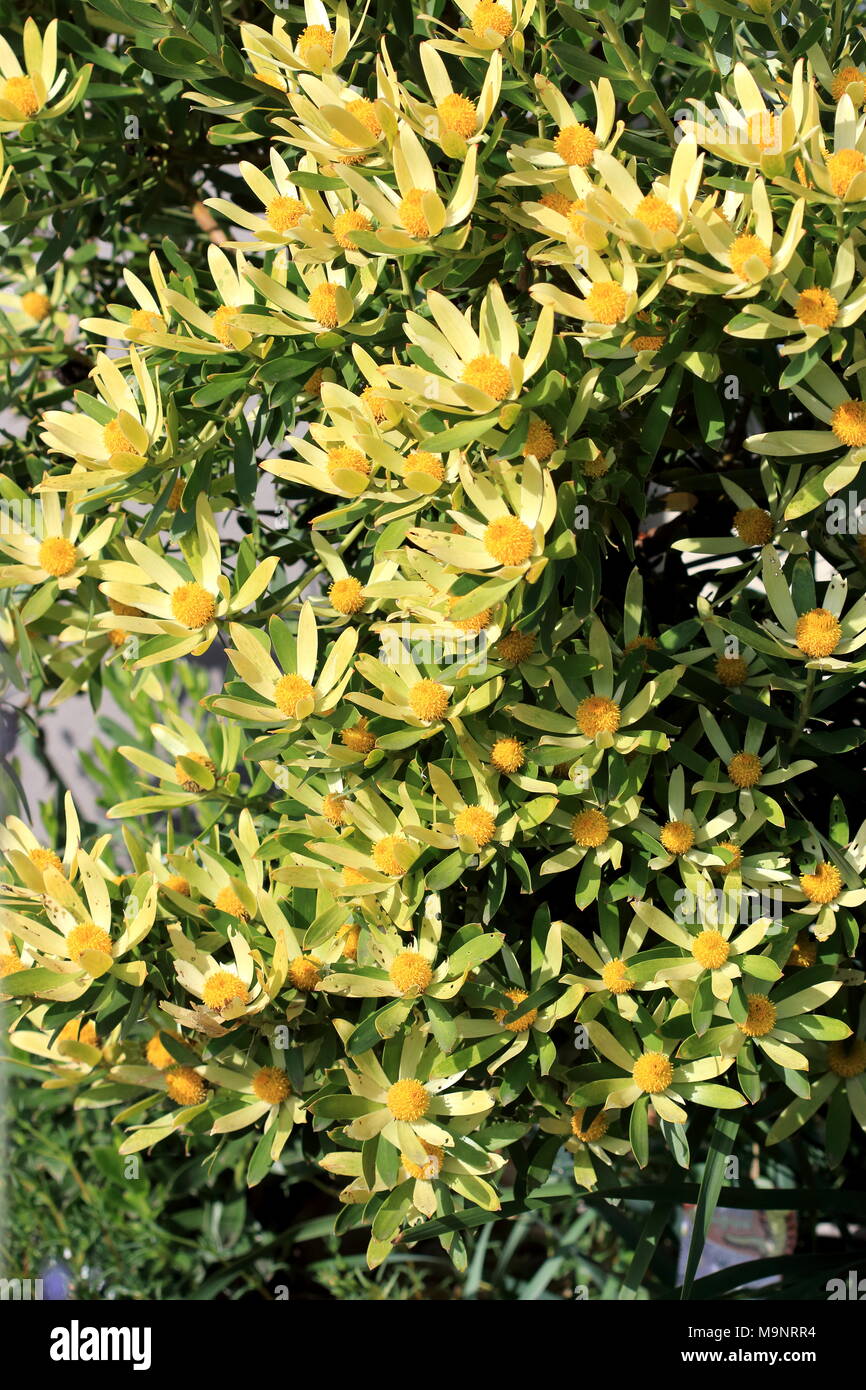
710,947
35,92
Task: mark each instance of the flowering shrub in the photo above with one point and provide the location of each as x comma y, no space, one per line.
442,430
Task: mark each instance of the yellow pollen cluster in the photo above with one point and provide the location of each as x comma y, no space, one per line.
488,374
430,1169
228,901
188,783
357,738
731,670
376,405
412,215
476,823
745,769
347,596
523,1021
117,441
816,308
847,1058
508,540
87,937
428,700
615,977
507,755
648,342
765,130
79,1030
289,692
176,883
491,15
594,1131
652,1073
677,837
598,715
843,167
323,305
57,556
351,459
193,606
222,988
304,972
408,1100
606,303
817,633
842,81
21,93
345,223
10,964
185,1086
804,951
747,248
176,494
313,42
710,949
143,321
848,423
590,828
576,144
350,935
221,323
157,1053
761,1017
272,1085
656,214
385,855
823,885
540,440
44,859
736,860
477,623
35,305
458,114
283,213
516,647
409,970
334,808
420,461
753,525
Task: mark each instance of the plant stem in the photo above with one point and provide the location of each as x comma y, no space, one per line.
625,56
805,709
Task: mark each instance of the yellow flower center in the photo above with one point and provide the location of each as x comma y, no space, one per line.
765,131
843,167
10,964
193,606
272,1085
352,878
45,859
745,769
747,248
323,305
598,715
174,497
420,461
593,1132
357,738
761,1018
590,828
176,883
35,305
847,1058
375,404
710,949
221,988
816,308
228,901
656,214
79,1030
188,783
143,321
430,1169
21,93
57,556
409,970
488,374
677,837
507,755
347,222
408,1100
289,692
185,1086
848,423
606,303
476,823
516,647
576,144
615,977
385,856
731,670
87,937
117,441
842,81
428,700
221,323
284,213
823,885
347,596
523,1021
315,43
350,935
343,457
540,441
458,114
412,214
334,808
508,540
648,342
477,623
653,1073
753,525
817,633
364,111
304,972
490,15
804,952
157,1053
